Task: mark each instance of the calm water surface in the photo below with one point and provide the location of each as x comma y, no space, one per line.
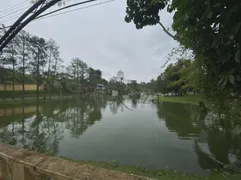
173,135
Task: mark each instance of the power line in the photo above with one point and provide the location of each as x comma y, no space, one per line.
12,18
14,7
44,16
66,7
14,12
17,26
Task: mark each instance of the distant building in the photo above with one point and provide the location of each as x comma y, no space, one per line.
120,75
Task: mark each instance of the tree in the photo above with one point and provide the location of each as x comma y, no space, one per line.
32,59
177,78
24,56
161,84
146,13
94,76
211,29
78,69
9,57
38,49
53,61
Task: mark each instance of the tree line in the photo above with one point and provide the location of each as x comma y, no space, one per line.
212,31
29,59
177,79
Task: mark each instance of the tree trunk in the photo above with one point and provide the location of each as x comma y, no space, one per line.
5,90
52,80
47,81
23,59
13,83
38,76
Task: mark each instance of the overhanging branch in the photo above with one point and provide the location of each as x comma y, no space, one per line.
166,31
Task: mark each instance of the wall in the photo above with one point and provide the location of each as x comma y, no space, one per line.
18,87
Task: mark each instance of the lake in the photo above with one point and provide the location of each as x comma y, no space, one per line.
127,131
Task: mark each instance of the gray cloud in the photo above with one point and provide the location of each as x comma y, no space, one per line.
100,37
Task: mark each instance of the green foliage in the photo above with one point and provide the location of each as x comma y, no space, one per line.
212,30
94,76
35,60
144,13
177,78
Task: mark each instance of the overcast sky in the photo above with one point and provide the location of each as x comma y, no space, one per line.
100,37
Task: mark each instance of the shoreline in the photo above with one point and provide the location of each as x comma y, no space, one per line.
179,99
161,174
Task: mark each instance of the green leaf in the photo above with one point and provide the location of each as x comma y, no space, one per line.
238,78
214,44
225,80
231,79
209,14
237,56
220,81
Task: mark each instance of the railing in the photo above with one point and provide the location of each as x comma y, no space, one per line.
19,164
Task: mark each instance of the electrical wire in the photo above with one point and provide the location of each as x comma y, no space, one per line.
66,7
14,12
14,17
44,16
14,7
85,7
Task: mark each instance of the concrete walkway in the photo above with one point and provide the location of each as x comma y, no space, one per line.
27,165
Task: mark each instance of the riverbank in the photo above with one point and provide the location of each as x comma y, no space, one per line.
29,100
161,174
180,99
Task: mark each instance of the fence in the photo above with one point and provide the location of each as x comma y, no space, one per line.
19,164
19,87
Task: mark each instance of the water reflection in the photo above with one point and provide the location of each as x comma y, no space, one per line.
40,127
217,142
184,119
132,131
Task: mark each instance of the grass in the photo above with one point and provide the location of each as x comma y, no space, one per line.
29,100
191,99
161,174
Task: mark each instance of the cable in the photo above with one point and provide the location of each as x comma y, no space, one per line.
14,12
12,18
18,23
66,7
97,4
14,7
46,15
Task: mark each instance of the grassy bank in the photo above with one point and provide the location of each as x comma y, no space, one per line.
30,100
179,99
161,174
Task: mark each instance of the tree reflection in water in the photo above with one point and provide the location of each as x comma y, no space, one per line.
222,138
39,127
